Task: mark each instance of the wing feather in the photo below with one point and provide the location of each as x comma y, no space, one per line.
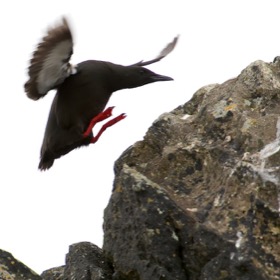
50,66
166,51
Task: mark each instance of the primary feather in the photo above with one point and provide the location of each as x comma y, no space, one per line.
50,66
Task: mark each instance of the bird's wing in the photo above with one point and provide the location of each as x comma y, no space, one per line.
50,66
167,50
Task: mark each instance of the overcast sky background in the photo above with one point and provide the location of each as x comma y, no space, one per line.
42,213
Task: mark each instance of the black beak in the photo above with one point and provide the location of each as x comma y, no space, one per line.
160,78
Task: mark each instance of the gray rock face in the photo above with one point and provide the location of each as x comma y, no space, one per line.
85,261
12,269
199,197
56,273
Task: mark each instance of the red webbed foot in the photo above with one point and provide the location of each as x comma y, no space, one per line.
100,117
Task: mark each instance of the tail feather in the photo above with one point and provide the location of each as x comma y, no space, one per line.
45,164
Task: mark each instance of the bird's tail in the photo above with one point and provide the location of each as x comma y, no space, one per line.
45,164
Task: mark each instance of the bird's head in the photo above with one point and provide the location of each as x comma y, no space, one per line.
136,76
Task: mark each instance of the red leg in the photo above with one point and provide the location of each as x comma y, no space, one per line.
106,125
100,117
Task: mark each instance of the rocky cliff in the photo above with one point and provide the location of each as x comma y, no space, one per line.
199,197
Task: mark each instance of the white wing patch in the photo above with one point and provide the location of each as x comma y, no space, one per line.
55,67
49,65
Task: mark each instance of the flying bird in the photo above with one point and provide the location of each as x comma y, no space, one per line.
82,91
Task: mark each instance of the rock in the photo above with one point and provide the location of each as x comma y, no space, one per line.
199,197
12,269
56,273
85,261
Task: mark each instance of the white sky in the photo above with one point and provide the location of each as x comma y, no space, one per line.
43,213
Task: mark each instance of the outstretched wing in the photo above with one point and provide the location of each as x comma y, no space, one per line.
50,66
167,50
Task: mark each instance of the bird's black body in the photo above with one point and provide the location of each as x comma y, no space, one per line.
81,95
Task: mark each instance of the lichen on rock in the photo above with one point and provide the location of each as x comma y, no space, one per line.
215,161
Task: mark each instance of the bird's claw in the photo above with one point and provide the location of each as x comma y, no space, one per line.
106,125
122,116
106,114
